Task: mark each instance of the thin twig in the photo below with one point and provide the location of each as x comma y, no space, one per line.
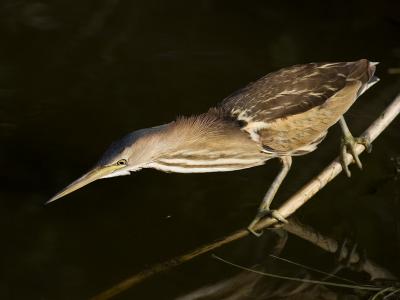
328,283
287,209
381,292
330,275
391,294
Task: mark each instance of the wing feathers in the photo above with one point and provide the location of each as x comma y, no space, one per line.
296,90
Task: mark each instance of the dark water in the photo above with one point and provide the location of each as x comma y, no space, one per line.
76,76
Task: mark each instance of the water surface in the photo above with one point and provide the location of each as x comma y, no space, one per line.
76,76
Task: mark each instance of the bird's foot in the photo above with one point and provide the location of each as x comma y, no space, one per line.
345,253
348,144
263,213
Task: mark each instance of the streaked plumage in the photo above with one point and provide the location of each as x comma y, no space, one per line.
289,111
283,114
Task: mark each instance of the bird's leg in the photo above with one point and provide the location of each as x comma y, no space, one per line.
264,208
345,253
348,143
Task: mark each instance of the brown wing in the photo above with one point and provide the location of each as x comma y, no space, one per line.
289,111
294,90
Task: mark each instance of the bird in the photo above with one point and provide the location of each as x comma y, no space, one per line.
284,114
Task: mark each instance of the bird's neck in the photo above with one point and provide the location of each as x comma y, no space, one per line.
206,143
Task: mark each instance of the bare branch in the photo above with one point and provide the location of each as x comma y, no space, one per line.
334,168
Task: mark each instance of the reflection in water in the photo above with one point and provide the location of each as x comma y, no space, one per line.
263,282
252,282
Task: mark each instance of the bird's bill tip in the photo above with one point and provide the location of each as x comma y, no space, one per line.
54,198
93,175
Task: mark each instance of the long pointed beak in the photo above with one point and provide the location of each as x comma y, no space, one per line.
89,177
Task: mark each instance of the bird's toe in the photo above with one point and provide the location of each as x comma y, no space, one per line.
348,145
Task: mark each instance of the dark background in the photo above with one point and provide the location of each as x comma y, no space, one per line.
74,76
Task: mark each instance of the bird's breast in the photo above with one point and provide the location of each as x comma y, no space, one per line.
207,163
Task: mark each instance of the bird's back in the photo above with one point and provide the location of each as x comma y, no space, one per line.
289,111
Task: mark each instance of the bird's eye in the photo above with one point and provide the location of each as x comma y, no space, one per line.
121,162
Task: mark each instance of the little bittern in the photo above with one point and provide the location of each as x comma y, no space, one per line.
285,113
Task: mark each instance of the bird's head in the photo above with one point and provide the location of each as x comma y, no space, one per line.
129,154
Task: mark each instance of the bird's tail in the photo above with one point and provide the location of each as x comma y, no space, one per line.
372,79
